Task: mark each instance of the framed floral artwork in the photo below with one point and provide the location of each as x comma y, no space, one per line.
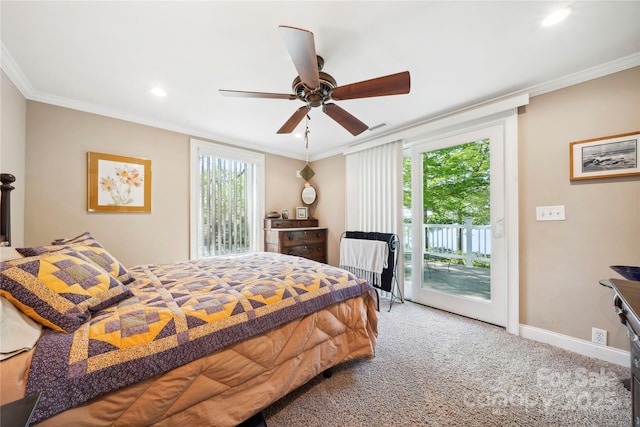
118,183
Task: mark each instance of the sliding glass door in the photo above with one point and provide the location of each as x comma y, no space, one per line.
457,224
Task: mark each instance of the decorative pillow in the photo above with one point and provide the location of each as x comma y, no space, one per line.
39,250
85,238
59,289
89,247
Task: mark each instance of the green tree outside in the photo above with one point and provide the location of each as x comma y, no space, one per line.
455,184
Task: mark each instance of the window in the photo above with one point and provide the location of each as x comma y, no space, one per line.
227,187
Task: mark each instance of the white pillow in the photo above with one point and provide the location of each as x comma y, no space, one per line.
7,253
18,332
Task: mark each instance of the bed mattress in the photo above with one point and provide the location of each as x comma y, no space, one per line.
231,384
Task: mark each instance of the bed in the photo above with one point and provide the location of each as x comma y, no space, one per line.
206,342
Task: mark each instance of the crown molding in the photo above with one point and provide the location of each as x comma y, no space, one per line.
523,95
601,70
15,74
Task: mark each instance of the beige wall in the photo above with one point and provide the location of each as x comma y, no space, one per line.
13,116
329,183
283,190
58,140
562,262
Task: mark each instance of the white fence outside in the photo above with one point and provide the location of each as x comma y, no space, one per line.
466,241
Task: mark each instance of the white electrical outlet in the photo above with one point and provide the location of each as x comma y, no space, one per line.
599,336
550,213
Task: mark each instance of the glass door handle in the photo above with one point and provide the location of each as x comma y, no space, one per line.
498,228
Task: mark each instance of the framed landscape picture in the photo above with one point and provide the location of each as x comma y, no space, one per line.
606,157
118,183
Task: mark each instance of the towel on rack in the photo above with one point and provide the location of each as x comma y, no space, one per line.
364,258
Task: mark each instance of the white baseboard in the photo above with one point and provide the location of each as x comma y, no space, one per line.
586,348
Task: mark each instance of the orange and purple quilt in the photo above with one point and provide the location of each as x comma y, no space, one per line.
179,313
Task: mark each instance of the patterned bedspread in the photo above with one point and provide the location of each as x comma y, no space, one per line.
179,313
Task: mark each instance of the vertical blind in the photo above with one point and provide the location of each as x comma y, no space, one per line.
225,205
374,192
374,189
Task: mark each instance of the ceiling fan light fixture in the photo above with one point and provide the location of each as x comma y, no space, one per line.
315,99
315,87
314,96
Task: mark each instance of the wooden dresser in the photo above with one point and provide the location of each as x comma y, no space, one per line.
300,237
627,306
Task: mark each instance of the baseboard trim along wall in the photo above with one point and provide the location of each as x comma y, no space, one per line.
586,348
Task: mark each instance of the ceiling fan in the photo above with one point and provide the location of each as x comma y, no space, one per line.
316,88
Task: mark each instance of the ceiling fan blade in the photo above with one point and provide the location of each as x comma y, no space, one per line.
293,121
346,120
244,94
393,84
302,50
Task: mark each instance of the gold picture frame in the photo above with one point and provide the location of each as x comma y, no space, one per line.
606,157
118,183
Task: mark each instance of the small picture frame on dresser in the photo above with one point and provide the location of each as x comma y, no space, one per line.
301,213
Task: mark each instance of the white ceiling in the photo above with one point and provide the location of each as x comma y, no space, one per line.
103,57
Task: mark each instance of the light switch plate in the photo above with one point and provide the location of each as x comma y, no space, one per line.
550,213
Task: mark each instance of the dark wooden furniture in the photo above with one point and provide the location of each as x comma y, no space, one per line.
5,207
19,412
300,237
627,305
256,421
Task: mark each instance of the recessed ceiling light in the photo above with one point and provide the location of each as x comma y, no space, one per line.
158,91
297,135
557,16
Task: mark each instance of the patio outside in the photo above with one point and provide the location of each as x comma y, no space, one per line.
457,259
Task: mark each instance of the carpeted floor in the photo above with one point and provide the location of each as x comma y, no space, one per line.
434,368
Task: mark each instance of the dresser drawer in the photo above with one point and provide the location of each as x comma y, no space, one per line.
315,252
290,223
306,237
308,243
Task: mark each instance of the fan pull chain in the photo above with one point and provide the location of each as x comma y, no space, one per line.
306,137
307,173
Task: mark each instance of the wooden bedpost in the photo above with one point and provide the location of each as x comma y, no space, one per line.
5,208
